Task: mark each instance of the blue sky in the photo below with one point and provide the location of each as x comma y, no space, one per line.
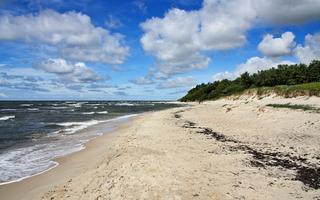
146,49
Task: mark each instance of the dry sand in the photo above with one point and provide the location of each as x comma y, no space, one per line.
225,149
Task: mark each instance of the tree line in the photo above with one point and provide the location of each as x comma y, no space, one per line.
281,75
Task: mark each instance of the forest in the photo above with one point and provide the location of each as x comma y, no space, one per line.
282,75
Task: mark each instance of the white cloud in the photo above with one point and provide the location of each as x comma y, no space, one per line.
178,40
69,72
177,83
56,66
223,75
3,95
142,81
73,33
255,64
252,65
311,49
275,47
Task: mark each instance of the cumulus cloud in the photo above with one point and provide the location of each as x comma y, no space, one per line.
72,33
255,64
179,40
77,72
310,50
275,47
252,65
177,83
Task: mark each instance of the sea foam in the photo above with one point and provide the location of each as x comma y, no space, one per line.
7,117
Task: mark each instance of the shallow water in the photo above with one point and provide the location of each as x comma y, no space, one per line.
33,133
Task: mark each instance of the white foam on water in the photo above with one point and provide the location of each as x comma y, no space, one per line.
88,113
59,107
8,109
7,117
124,104
21,163
33,109
76,105
103,112
26,105
88,123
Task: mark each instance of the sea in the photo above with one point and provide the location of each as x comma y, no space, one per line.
34,133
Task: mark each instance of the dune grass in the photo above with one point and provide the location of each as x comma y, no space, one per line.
296,107
306,89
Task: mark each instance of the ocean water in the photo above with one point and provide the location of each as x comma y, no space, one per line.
33,133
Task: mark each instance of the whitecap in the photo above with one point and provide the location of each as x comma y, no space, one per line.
124,104
102,112
26,105
8,109
33,109
88,113
7,117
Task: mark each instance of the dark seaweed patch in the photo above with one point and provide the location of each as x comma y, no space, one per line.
189,124
307,174
215,135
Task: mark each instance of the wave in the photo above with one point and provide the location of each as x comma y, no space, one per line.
33,109
76,126
125,104
73,127
26,105
88,113
7,117
59,107
21,163
102,112
25,162
8,109
76,105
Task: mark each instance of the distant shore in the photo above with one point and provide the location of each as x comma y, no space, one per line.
224,149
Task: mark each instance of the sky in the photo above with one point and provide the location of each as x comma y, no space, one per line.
146,49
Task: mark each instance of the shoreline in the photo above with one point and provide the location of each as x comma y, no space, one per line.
46,179
116,122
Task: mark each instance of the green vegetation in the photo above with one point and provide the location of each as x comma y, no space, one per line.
285,80
296,107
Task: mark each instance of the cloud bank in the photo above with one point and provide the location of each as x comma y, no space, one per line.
72,33
179,40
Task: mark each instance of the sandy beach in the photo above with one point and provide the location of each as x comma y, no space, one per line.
226,149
